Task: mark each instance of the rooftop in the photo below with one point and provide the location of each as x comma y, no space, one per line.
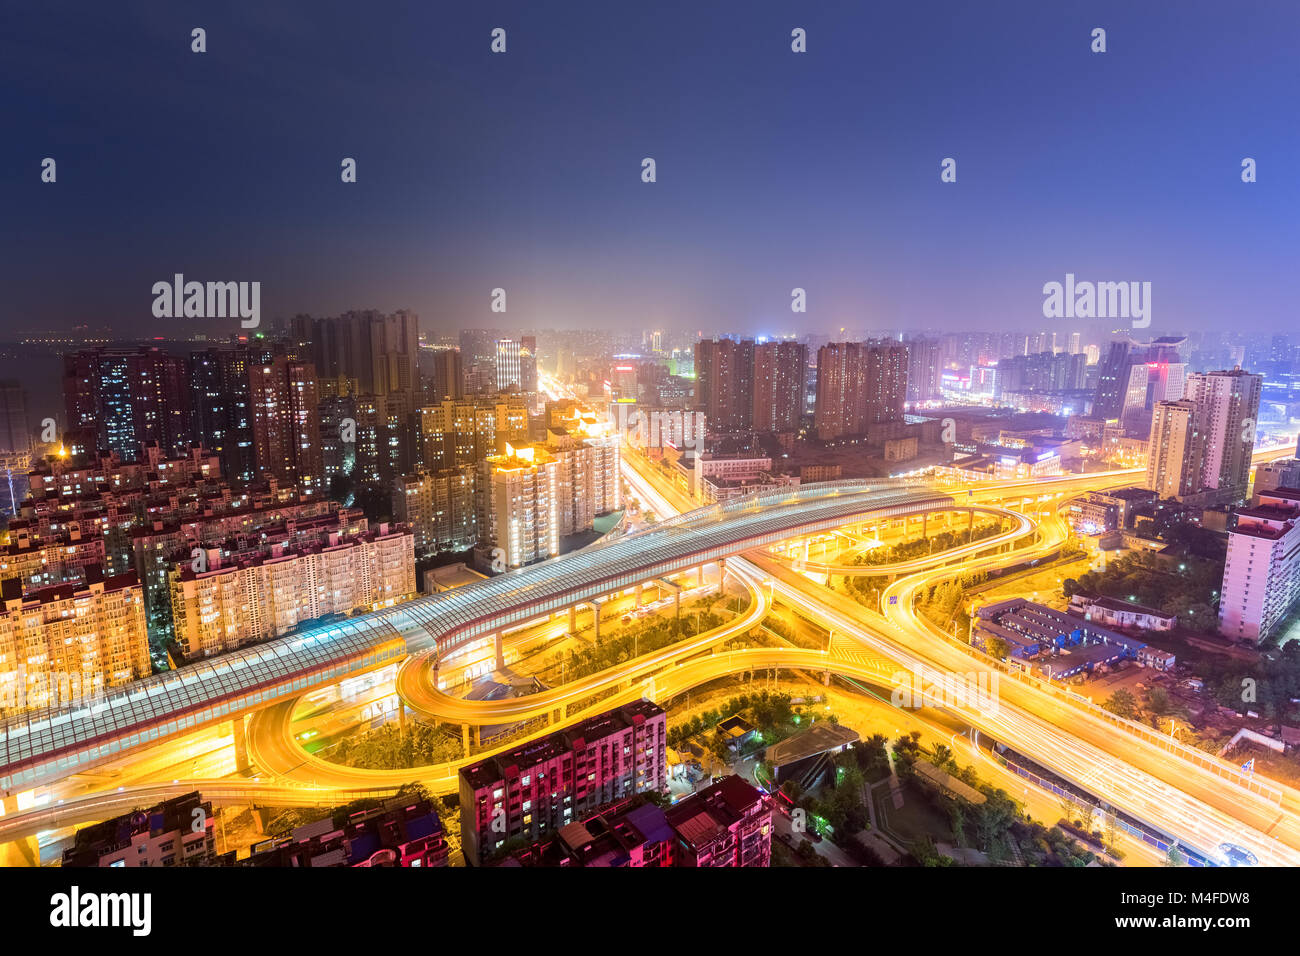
819,738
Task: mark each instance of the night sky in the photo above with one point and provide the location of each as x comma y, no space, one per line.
775,169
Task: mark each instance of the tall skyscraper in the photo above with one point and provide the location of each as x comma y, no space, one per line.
379,351
1134,376
286,422
507,364
15,433
923,370
518,509
528,363
859,384
126,399
724,382
1229,404
443,373
1175,450
223,421
779,372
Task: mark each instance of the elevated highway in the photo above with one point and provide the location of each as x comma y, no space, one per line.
45,746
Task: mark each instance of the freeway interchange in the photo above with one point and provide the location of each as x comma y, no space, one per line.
1199,800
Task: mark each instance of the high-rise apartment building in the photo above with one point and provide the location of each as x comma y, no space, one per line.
1175,450
859,384
67,642
444,375
125,399
1229,406
265,595
1040,372
15,433
724,382
924,370
440,508
587,454
1134,376
780,369
338,436
467,431
1261,575
286,422
378,350
543,785
223,419
518,507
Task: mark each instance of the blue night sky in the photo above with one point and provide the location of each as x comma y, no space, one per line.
775,169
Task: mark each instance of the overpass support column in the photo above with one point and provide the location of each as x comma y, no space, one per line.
573,619
496,644
595,617
970,527
241,743
637,601
722,572
464,737
925,525
401,716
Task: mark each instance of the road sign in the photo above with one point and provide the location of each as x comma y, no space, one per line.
893,599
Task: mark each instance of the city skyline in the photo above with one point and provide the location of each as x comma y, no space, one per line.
688,436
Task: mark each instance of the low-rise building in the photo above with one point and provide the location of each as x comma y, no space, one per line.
1031,630
176,832
400,833
726,824
806,756
1113,612
534,790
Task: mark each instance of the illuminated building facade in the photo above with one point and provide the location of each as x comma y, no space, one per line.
227,605
543,785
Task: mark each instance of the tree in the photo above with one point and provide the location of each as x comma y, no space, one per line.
1122,703
1158,701
943,757
998,647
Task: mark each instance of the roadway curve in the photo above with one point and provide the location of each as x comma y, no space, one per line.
416,687
16,824
1022,527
